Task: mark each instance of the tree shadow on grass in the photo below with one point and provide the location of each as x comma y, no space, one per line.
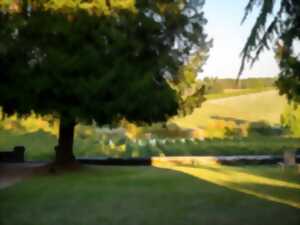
230,119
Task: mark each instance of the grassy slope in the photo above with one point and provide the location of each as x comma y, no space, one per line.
152,196
265,106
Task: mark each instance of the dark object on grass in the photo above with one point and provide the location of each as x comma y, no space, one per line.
16,155
116,161
52,170
187,160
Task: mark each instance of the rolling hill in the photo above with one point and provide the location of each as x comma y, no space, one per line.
263,106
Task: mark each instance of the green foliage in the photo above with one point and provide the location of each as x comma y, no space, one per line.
284,28
170,130
260,37
189,90
99,60
263,128
70,58
233,132
291,119
289,77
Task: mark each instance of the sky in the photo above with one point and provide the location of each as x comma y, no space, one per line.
224,26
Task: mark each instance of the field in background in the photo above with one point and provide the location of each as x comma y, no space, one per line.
263,106
226,126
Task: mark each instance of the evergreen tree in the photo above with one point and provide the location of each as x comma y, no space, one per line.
97,60
283,29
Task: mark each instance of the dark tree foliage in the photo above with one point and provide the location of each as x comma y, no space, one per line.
283,29
95,60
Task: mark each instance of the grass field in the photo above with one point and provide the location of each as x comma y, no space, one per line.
150,196
263,106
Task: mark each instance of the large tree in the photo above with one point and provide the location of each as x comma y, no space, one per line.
96,60
277,26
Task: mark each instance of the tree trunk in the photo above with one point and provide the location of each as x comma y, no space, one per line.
64,150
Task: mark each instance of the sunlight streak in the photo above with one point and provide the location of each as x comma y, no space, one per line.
238,181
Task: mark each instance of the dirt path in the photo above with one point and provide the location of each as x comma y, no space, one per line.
11,173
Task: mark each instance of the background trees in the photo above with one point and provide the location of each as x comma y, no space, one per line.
95,60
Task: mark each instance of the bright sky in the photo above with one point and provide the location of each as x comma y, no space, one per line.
224,26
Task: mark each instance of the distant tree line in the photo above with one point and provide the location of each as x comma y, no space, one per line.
216,85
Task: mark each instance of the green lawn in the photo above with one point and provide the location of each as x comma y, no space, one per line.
210,195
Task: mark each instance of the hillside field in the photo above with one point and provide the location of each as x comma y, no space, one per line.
263,106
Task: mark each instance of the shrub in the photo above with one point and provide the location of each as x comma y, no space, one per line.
264,129
291,119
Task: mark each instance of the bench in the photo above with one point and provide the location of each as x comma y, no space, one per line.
16,155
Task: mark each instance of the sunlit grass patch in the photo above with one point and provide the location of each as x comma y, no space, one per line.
243,180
